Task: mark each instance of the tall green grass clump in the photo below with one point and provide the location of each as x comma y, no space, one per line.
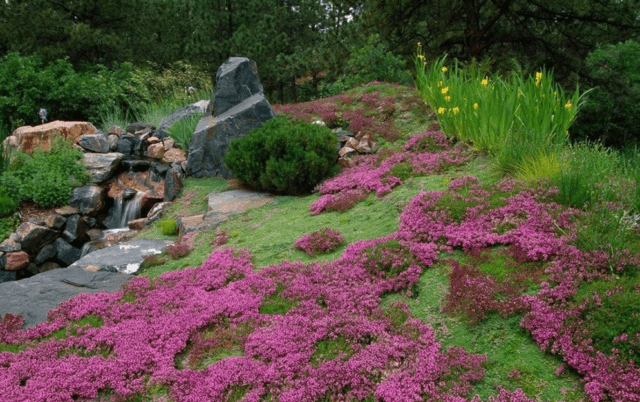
283,156
45,177
5,151
516,118
182,130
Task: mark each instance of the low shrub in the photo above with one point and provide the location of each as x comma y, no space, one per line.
7,205
324,240
8,226
169,227
283,156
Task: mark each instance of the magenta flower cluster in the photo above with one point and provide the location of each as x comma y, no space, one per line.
322,241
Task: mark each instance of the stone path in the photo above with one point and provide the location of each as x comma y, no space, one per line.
106,270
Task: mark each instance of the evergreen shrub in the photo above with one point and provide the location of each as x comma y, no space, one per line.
169,227
284,156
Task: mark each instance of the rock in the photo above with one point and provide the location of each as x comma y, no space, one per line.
128,194
3,260
174,155
115,130
46,253
235,202
345,151
172,184
153,140
95,234
102,166
67,211
34,297
28,138
55,221
136,165
75,231
140,127
152,191
65,252
88,199
37,220
364,146
137,224
9,245
48,266
33,237
168,143
123,257
352,143
184,113
345,162
15,261
236,81
124,146
155,151
213,135
156,211
112,140
7,276
94,143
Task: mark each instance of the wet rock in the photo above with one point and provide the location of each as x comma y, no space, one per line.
47,252
75,231
65,252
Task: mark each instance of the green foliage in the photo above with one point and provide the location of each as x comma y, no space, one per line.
169,227
182,130
327,349
7,204
283,156
609,114
46,177
275,303
5,151
8,226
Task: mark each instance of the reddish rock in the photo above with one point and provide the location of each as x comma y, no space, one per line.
49,266
152,192
352,143
346,151
29,138
155,151
95,234
345,162
174,155
153,140
67,210
115,130
137,224
16,260
168,143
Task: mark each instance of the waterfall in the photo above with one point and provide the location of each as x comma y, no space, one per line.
124,211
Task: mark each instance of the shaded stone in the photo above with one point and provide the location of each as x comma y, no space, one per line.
128,194
29,138
88,199
124,146
345,162
32,269
112,140
33,237
213,135
94,143
9,245
174,155
7,276
48,266
75,231
55,221
37,220
172,184
16,260
102,166
46,253
67,211
65,252
140,127
155,151
236,81
3,260
136,165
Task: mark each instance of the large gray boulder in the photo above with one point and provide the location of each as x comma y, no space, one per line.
88,199
94,142
102,166
123,257
33,237
213,135
239,105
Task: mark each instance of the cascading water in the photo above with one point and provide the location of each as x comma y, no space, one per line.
124,211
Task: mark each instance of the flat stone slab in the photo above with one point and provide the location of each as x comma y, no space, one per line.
32,298
235,202
123,257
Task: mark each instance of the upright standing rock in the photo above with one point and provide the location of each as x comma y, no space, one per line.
239,105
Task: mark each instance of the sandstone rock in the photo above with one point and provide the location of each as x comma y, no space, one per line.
67,211
168,143
95,234
88,199
29,138
16,260
102,166
174,155
153,140
352,143
345,151
152,191
364,146
9,245
33,237
112,140
115,130
75,231
156,211
155,151
46,253
236,81
55,221
137,224
213,135
65,252
172,184
94,143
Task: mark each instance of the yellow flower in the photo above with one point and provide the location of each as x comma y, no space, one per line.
568,105
440,110
440,84
485,82
538,78
455,110
444,69
421,57
475,106
445,90
447,98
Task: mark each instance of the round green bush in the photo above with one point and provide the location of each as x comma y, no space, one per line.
7,205
169,227
284,156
